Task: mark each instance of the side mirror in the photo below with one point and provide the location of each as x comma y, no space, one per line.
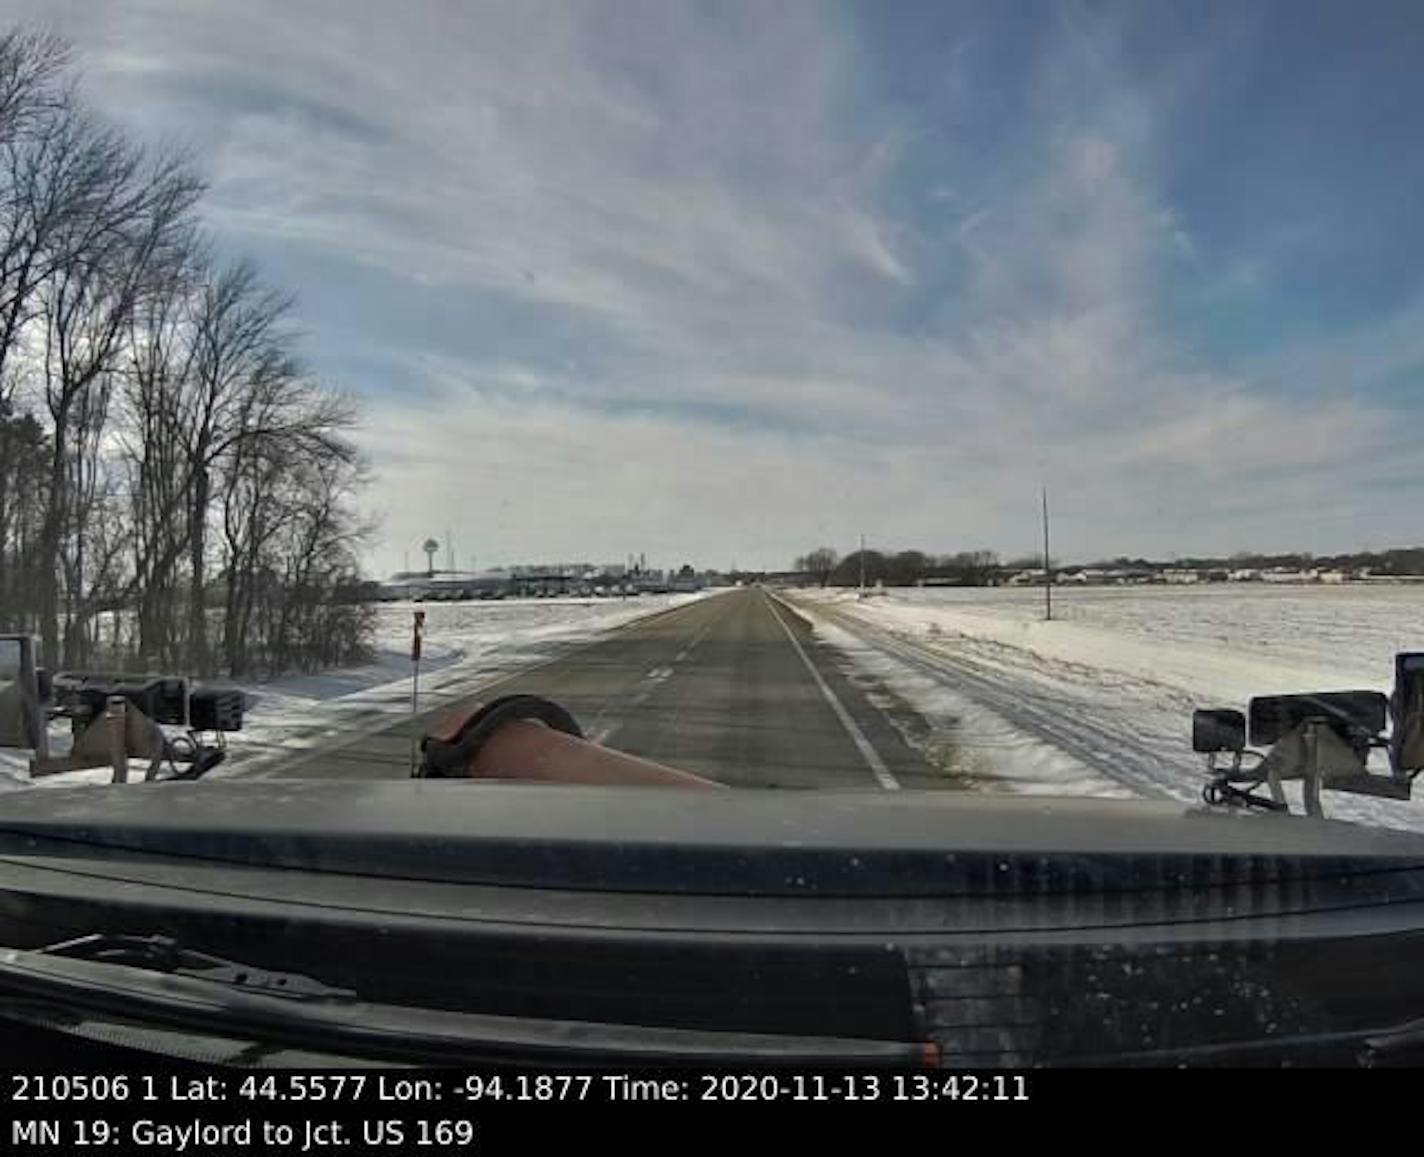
1407,707
1217,729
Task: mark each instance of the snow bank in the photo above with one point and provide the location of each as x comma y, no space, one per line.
989,753
1112,681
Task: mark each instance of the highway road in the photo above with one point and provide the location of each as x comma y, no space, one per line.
734,687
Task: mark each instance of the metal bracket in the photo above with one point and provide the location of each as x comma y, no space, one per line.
23,695
122,733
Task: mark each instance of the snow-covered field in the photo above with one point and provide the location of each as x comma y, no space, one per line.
465,644
1099,700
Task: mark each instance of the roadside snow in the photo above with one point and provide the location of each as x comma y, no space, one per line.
1112,681
989,753
465,644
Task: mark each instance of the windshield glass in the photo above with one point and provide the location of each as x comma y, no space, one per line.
873,397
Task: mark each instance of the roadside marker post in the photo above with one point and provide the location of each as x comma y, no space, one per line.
417,636
1047,566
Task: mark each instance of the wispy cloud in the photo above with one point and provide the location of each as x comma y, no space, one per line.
610,276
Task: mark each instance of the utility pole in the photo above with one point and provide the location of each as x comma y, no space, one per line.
1047,572
862,566
450,550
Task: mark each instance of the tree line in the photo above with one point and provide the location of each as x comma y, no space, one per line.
825,567
175,488
1406,560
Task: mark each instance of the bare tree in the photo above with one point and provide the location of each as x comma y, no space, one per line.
149,394
140,206
847,572
240,351
31,66
255,510
293,469
160,353
820,564
906,568
36,121
970,568
313,627
32,63
23,454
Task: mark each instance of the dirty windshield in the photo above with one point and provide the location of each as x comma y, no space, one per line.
1007,399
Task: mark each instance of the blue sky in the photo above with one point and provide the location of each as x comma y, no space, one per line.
725,281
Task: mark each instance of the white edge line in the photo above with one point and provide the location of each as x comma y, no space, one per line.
872,757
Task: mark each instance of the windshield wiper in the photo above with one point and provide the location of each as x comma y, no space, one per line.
1402,1044
153,980
147,981
1391,1045
164,954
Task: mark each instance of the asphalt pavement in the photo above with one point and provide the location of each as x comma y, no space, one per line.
734,687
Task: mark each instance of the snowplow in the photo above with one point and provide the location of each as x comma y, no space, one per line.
1325,740
178,727
526,737
1356,742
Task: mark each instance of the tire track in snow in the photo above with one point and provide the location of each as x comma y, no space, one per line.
1123,758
